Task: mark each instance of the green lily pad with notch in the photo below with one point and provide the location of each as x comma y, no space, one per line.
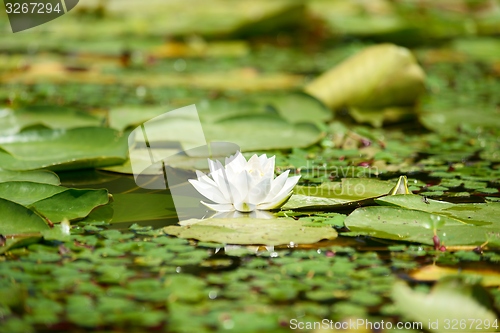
54,202
36,176
63,149
249,231
17,219
350,193
26,193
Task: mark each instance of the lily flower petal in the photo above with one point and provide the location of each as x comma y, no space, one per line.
276,186
282,197
244,186
275,204
208,191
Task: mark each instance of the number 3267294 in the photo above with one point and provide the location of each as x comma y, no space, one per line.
32,8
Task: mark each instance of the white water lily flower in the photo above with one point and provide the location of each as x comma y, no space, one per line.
244,186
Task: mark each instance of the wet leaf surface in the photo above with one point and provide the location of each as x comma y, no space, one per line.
62,149
37,176
25,219
54,202
248,231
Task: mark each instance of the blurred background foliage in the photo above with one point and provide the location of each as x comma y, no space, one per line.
173,53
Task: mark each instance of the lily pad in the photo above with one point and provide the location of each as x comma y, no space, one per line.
63,149
300,107
37,176
447,120
348,189
477,213
26,193
446,306
301,202
416,226
50,117
379,76
248,231
71,204
17,219
125,116
54,202
250,131
262,133
350,193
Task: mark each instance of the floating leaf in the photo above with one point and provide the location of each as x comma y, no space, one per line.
250,132
447,120
50,117
476,213
379,76
349,193
17,219
298,201
37,176
71,204
300,107
26,193
63,149
446,306
54,202
122,117
416,226
248,231
348,189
